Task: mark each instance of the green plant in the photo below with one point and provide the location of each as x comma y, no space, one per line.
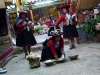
89,25
23,3
80,23
37,28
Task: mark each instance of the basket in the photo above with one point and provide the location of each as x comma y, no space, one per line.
34,63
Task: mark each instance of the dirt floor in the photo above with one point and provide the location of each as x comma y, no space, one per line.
88,63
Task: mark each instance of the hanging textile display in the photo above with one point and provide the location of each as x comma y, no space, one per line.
13,16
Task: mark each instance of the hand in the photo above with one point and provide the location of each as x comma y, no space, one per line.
62,52
20,20
49,37
25,23
54,24
57,58
29,22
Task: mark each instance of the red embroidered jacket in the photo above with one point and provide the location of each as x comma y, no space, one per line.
63,19
51,44
21,27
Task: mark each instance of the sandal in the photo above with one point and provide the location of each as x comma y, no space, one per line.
72,47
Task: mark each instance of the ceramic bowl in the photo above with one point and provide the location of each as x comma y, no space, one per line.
60,60
48,63
74,57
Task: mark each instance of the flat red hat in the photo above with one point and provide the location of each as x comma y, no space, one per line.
22,12
64,6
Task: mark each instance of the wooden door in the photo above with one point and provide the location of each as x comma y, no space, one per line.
3,22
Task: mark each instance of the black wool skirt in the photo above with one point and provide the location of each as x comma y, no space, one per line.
26,38
47,54
70,31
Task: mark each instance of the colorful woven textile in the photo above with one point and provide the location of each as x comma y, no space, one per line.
13,16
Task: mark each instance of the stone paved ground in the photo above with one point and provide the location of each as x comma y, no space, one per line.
88,63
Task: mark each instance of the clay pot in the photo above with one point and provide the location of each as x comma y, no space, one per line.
96,38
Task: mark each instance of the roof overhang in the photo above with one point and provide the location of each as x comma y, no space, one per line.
42,4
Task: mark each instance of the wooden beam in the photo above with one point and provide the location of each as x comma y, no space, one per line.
2,4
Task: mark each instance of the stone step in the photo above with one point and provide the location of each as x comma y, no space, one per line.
33,48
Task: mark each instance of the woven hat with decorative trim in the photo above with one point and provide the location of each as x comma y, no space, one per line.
64,6
22,12
56,32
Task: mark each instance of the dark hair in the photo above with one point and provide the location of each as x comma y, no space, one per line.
51,16
21,15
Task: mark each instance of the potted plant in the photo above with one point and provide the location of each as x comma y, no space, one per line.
88,26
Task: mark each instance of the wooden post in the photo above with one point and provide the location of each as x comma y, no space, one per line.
2,4
18,4
78,5
32,18
31,13
58,13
